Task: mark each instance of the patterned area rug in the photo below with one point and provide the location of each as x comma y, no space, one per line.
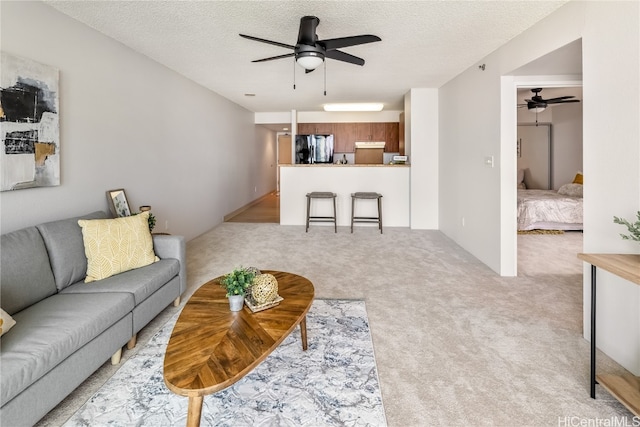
540,232
333,383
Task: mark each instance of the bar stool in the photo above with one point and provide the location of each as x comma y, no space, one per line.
370,196
321,195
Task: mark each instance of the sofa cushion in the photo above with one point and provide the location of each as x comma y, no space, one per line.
25,273
63,240
113,246
141,282
47,333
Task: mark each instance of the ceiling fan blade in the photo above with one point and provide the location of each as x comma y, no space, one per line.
344,57
288,46
338,43
287,55
307,31
558,99
561,101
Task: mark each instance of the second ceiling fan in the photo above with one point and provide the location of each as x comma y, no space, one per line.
538,103
311,52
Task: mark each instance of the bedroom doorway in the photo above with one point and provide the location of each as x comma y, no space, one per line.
549,155
558,71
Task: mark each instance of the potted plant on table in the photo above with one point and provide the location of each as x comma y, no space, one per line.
236,284
634,228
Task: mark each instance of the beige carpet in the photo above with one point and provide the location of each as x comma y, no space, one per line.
455,343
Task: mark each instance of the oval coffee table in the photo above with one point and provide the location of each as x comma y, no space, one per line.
212,347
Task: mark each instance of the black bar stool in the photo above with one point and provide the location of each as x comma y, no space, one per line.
370,196
321,195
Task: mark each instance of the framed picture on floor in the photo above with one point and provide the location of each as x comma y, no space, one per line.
118,203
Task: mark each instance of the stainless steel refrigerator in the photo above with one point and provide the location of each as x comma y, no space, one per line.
312,149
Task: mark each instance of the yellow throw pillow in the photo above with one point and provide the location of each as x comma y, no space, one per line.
6,322
113,246
578,178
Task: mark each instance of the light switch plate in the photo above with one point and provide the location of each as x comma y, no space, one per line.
488,161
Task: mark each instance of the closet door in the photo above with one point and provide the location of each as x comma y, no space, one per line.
534,155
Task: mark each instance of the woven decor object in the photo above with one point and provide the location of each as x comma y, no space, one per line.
264,289
253,270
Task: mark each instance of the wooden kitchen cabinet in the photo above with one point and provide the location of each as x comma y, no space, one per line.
378,132
346,134
370,132
392,138
315,128
344,137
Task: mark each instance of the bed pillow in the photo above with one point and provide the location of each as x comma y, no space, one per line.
578,179
521,184
117,245
6,322
573,190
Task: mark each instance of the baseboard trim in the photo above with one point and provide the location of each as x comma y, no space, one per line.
247,206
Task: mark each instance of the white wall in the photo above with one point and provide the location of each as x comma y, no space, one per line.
422,118
610,49
128,122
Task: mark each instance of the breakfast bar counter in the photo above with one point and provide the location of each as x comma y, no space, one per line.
392,181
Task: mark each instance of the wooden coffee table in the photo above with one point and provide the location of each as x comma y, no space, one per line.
212,347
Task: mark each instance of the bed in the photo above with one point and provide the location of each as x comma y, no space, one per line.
550,209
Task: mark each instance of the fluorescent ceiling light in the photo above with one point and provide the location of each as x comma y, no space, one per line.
364,106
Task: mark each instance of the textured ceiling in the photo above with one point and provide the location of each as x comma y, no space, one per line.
424,43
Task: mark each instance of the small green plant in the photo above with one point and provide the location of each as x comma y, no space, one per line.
634,228
238,281
151,220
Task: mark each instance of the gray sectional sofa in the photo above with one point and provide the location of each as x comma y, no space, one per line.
66,329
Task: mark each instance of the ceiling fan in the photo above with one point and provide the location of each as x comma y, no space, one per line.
538,104
310,52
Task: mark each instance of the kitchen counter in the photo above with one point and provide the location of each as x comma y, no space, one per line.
327,165
392,181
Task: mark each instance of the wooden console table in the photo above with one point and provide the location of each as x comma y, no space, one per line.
624,388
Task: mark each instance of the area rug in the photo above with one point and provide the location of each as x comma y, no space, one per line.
540,232
333,383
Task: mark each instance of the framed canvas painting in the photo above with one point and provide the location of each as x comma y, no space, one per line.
118,203
29,124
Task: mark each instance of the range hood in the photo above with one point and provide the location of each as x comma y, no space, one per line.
370,144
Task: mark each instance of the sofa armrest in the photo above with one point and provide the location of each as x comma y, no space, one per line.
169,246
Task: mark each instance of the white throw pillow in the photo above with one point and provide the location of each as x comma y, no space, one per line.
573,190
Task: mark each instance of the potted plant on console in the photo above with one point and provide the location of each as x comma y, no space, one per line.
236,284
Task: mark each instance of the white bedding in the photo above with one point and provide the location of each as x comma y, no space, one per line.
548,210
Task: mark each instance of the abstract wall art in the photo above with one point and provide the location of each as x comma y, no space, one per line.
29,124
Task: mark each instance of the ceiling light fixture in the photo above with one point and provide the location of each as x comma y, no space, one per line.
362,106
538,109
309,60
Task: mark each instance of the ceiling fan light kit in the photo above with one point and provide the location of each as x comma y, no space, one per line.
309,60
